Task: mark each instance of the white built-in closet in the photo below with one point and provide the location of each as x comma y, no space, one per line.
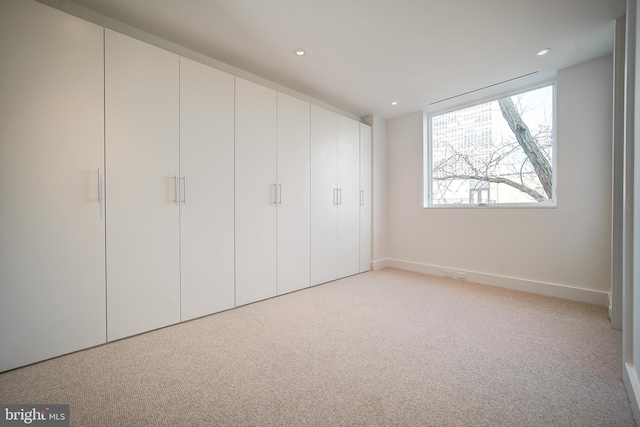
206,188
335,196
52,222
142,114
140,189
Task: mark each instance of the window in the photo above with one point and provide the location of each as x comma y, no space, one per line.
499,152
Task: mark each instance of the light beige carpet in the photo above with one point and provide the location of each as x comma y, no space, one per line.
385,348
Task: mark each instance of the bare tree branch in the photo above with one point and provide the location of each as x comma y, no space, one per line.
498,180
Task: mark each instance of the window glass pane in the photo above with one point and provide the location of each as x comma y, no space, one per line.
496,152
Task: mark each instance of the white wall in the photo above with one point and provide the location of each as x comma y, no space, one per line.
564,251
631,270
379,172
617,201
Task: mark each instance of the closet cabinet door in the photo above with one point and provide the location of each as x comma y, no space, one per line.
206,183
142,159
324,195
348,197
52,277
365,198
293,198
255,192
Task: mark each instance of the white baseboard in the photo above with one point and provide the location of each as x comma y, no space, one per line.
632,385
379,264
548,289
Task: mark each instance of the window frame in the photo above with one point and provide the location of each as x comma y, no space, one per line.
427,182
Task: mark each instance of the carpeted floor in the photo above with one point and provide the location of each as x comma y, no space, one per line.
384,348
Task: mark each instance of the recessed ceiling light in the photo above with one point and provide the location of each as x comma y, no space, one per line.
300,52
394,103
542,52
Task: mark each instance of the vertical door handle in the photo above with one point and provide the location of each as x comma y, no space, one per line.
184,189
100,186
279,195
175,188
100,191
361,197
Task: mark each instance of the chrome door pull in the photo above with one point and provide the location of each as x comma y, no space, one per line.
100,195
100,187
175,178
184,192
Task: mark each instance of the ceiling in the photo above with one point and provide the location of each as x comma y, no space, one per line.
364,54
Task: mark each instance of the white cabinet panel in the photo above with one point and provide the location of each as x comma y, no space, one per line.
365,198
348,197
142,159
255,191
52,274
294,202
324,184
206,202
335,196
